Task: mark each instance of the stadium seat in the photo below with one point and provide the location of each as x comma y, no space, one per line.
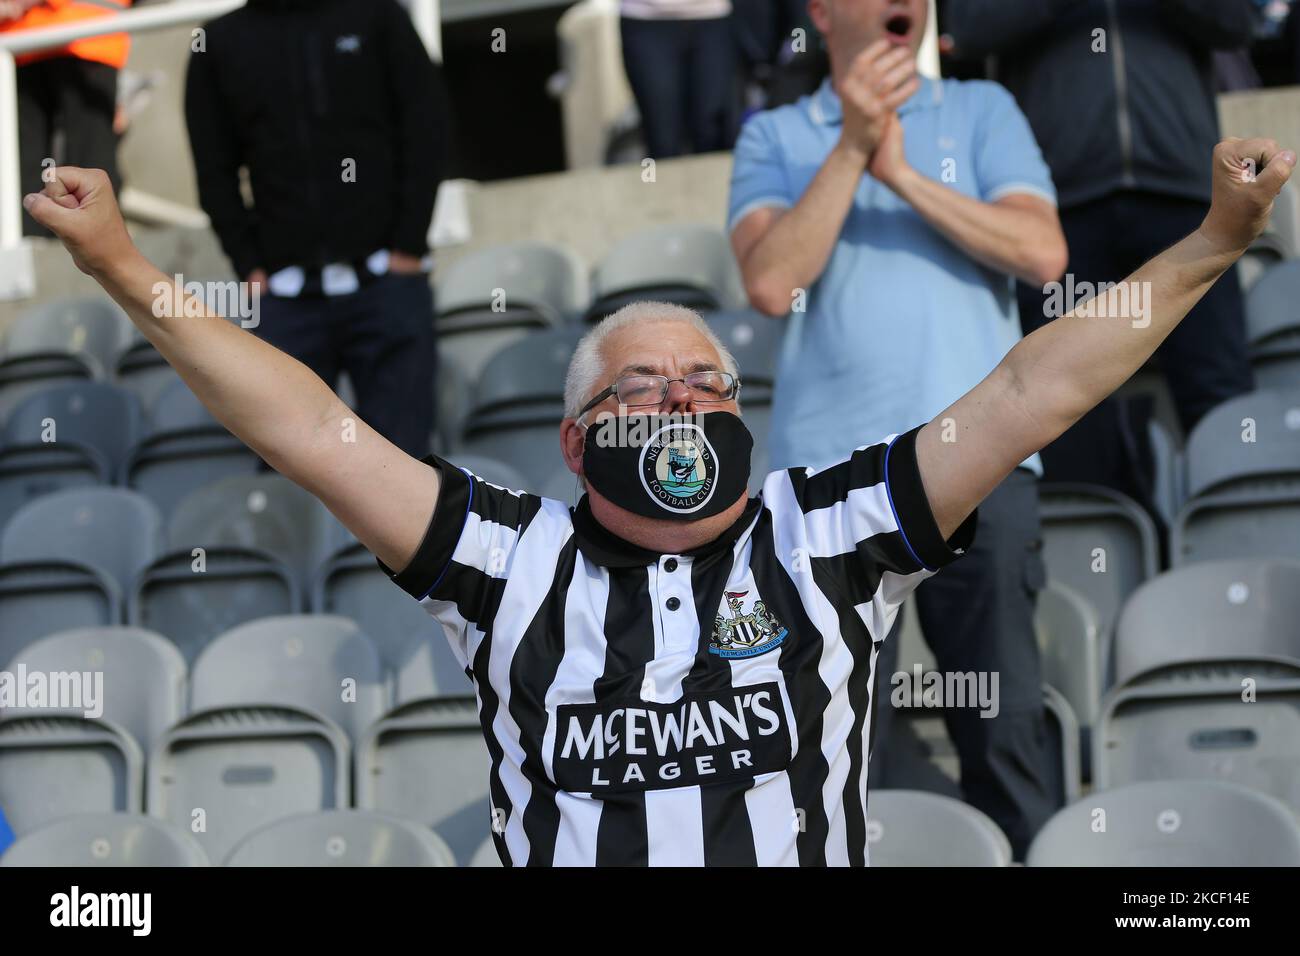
427,669
341,838
1273,305
691,265
263,513
495,296
915,828
1230,720
426,761
1170,823
486,855
42,598
183,449
1211,611
1251,436
1069,639
352,585
222,773
106,839
59,764
191,598
112,529
754,341
143,673
65,436
526,377
315,662
1100,544
1246,493
562,486
59,342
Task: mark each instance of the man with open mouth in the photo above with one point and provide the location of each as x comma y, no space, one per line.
889,215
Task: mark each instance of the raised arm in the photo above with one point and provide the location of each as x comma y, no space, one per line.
1052,377
273,403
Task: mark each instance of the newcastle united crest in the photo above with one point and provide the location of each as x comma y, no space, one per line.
745,633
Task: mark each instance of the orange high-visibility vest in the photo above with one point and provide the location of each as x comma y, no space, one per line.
112,48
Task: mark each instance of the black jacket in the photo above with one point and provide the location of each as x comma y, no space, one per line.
301,92
1140,115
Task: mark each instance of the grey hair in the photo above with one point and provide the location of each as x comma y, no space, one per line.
587,364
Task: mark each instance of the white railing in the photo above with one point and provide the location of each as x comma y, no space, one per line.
16,267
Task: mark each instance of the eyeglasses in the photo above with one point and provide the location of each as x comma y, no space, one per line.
633,390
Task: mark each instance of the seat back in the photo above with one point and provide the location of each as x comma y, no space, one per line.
341,838
915,828
106,839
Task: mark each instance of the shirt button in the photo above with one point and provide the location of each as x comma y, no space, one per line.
670,565
673,603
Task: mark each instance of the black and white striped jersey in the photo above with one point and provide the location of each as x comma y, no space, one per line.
711,707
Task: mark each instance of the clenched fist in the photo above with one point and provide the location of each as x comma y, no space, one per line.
1248,174
78,206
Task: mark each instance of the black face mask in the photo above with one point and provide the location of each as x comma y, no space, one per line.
679,467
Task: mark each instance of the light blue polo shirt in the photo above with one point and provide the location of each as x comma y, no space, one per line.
902,322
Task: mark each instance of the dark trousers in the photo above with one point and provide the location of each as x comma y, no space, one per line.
65,113
683,75
1204,359
977,615
382,336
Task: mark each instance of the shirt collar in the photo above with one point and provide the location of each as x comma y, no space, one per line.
604,548
824,105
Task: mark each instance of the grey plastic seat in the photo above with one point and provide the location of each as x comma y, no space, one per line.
524,379
341,838
58,343
1170,823
486,855
106,839
531,450
1217,453
1100,544
547,279
915,828
143,674
409,641
493,297
222,773
1282,234
190,599
1069,639
99,419
43,598
87,332
426,761
184,448
92,425
691,265
264,513
304,661
562,485
1229,720
754,341
1246,493
1273,305
113,529
58,764
1213,610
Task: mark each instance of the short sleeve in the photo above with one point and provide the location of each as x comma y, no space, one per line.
1007,157
869,531
459,570
759,178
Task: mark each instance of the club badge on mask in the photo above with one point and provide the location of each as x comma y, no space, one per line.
669,466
